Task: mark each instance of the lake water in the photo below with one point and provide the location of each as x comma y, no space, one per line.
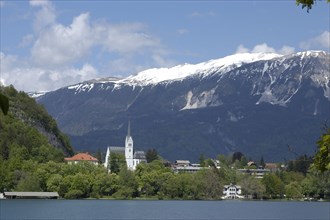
159,210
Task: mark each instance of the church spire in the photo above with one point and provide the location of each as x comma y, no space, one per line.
129,129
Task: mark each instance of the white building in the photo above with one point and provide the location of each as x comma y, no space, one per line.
132,158
232,192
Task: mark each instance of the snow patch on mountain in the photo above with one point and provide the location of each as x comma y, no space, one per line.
82,87
36,94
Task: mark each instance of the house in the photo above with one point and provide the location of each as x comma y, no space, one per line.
273,167
232,192
132,158
182,163
81,157
257,173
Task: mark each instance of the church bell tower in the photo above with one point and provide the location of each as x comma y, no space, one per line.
129,148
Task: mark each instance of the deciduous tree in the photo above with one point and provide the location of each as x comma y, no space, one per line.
308,4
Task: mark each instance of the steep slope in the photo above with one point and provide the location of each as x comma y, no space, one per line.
254,103
29,131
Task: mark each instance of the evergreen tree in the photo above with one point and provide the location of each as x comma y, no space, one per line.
152,155
262,162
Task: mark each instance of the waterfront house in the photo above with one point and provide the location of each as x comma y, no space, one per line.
232,192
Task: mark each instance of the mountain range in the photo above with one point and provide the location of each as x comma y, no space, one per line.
260,104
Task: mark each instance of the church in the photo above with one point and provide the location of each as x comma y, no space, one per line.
132,158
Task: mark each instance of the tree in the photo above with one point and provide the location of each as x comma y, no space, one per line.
4,103
208,184
99,156
274,186
322,156
262,162
237,156
202,160
128,187
301,164
28,183
294,191
252,186
151,155
308,4
117,162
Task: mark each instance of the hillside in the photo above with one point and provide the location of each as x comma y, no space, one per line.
254,103
28,131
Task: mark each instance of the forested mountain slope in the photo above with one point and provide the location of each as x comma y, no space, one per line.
28,129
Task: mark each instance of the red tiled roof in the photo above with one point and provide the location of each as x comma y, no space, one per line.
81,157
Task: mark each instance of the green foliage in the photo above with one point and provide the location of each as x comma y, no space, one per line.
317,184
301,164
252,186
74,194
237,156
202,160
294,190
4,104
151,177
274,186
117,162
29,123
28,183
308,4
152,155
322,156
128,187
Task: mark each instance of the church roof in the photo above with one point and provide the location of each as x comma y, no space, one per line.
81,157
139,155
118,150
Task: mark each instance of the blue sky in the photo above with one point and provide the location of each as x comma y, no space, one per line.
46,45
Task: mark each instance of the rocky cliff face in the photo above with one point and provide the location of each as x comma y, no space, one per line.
254,103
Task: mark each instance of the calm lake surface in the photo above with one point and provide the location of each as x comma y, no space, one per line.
175,210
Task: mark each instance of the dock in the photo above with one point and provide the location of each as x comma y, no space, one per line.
31,195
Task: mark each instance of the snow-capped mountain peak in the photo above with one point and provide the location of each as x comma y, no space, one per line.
157,75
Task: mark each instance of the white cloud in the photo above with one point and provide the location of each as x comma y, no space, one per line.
321,41
27,40
39,2
285,50
242,49
46,16
28,78
182,31
7,62
125,38
60,45
264,48
58,52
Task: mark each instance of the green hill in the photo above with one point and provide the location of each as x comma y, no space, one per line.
28,136
29,127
